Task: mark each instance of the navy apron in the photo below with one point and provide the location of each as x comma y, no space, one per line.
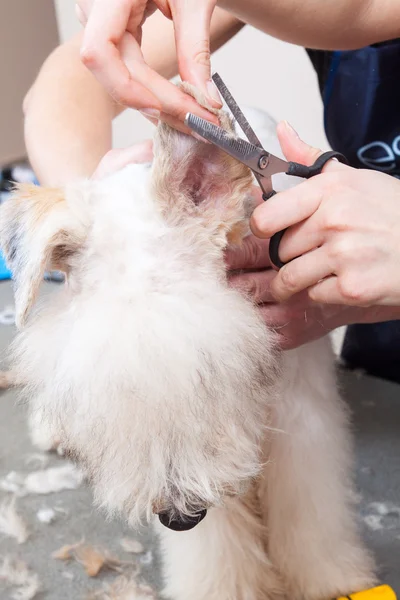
361,95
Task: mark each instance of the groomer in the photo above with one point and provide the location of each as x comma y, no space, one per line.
357,258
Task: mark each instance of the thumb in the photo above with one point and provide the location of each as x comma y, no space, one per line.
296,150
293,147
192,21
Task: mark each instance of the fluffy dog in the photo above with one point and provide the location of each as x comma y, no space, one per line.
166,386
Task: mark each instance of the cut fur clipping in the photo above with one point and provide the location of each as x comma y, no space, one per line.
123,588
16,574
67,552
46,515
92,559
54,479
132,546
45,481
95,560
11,523
38,458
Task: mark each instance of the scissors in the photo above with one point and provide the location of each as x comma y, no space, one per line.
251,153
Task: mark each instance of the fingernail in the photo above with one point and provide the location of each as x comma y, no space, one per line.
150,112
212,91
290,129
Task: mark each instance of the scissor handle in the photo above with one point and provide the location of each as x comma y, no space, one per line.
298,170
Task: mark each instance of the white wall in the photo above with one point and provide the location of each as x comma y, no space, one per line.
259,70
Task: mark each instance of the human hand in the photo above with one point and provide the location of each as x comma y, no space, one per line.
119,158
343,236
299,319
111,49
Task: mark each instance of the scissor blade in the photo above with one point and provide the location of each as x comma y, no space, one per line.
243,151
236,111
244,125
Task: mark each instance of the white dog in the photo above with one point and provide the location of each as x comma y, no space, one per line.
165,384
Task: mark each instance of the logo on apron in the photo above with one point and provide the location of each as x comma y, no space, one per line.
361,98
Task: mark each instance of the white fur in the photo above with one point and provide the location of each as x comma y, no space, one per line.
11,523
167,386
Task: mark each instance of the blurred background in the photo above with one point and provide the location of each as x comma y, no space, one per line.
261,71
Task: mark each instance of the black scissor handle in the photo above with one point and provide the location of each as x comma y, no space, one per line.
298,170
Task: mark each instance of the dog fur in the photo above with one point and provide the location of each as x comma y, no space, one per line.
166,386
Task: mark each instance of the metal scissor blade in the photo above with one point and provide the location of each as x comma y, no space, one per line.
236,111
243,151
244,125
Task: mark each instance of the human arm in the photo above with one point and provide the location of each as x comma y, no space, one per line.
328,25
111,46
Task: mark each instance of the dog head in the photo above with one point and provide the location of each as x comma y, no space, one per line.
150,370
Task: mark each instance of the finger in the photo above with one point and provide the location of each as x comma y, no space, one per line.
301,238
254,285
285,209
256,195
331,291
292,327
277,317
326,292
103,46
118,159
192,22
154,116
296,150
300,274
251,254
81,14
299,203
177,124
173,101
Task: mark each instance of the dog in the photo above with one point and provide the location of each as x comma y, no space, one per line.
166,386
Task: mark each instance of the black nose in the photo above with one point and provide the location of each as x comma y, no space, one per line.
181,522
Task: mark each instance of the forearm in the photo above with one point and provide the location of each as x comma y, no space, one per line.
326,24
68,114
67,118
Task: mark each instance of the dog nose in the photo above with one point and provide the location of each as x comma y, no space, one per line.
181,522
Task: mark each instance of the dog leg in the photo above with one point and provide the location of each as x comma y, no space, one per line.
313,537
223,558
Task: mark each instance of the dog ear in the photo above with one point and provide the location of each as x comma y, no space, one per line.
38,231
196,177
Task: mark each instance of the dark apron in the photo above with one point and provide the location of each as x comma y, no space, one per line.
361,95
